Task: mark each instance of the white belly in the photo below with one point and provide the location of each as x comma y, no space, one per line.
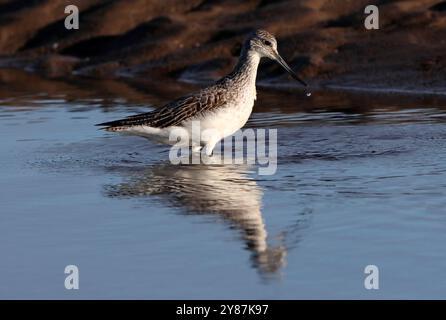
227,120
209,128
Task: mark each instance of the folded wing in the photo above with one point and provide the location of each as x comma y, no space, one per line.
172,114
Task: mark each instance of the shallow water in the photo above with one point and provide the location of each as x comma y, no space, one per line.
356,184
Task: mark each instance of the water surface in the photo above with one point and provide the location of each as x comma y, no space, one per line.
359,181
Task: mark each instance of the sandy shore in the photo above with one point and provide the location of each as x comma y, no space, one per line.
198,41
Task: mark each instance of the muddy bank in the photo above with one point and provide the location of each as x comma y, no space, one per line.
144,93
198,41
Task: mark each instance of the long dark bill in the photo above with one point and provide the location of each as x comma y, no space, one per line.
282,62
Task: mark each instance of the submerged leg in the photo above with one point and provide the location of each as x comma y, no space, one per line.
209,148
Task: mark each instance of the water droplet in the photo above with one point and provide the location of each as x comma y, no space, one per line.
308,94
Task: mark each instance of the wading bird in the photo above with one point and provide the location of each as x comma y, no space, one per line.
220,109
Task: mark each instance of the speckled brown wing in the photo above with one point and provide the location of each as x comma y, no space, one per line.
173,113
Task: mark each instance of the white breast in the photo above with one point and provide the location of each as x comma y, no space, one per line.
231,117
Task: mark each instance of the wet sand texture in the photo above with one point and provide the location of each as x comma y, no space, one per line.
324,40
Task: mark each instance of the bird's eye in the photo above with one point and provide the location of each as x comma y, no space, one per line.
267,43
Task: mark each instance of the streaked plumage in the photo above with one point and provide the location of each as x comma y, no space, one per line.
221,108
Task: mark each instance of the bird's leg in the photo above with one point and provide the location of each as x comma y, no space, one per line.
196,148
209,148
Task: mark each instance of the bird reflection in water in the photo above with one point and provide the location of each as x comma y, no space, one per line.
222,190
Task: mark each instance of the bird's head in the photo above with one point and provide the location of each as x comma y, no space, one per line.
265,45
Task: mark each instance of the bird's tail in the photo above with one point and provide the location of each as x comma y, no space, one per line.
126,123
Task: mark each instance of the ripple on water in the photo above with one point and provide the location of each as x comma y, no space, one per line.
340,177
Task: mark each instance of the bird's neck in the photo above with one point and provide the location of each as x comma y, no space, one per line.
246,69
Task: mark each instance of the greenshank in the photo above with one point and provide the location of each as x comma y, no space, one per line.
219,110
